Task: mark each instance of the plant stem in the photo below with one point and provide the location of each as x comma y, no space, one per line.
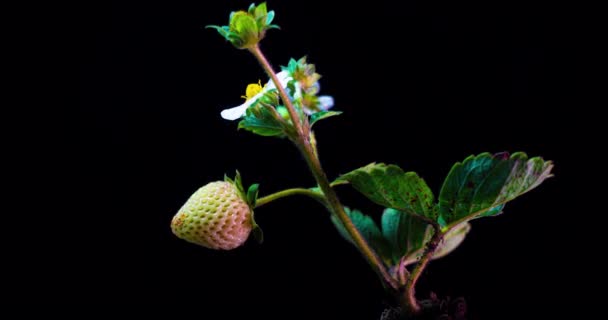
290,192
337,208
302,141
410,301
268,68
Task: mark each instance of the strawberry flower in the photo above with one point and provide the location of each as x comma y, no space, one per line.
256,91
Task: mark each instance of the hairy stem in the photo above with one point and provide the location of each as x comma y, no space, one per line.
410,302
302,141
282,93
337,208
290,192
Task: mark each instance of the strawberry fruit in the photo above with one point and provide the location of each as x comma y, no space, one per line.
216,216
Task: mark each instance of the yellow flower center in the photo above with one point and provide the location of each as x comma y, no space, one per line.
252,90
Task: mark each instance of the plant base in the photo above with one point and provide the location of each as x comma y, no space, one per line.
432,309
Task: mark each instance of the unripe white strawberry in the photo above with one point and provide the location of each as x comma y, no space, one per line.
216,216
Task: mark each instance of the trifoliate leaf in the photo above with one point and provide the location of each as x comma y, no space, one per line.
389,186
482,184
368,229
405,233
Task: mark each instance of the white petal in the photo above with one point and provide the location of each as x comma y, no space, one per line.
308,111
326,102
314,89
298,93
284,78
236,112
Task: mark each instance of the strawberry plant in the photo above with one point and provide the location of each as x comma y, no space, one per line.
416,226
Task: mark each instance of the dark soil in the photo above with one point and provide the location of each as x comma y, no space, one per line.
432,309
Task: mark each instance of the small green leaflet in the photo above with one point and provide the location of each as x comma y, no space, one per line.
368,229
237,182
262,120
252,194
481,185
389,186
402,234
256,231
322,115
452,239
405,233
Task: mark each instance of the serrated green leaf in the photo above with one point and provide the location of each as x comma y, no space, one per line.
452,239
405,233
322,115
366,225
482,184
263,121
252,194
389,186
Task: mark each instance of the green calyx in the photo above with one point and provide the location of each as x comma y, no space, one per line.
308,79
303,72
250,197
246,29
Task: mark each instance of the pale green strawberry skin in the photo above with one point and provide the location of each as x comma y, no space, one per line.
215,217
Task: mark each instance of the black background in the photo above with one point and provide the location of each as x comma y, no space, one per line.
422,84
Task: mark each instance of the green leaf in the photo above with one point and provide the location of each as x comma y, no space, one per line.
389,186
238,181
291,67
238,184
243,24
222,30
269,18
322,115
252,194
262,120
251,9
261,11
452,239
366,225
405,233
482,184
